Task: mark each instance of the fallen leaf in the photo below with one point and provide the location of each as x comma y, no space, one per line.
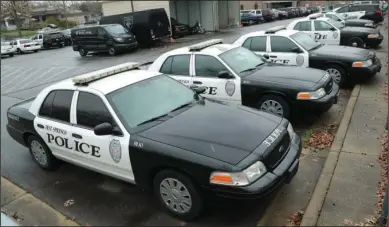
295,219
69,203
320,140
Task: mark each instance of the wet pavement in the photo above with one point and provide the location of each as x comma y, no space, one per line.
101,200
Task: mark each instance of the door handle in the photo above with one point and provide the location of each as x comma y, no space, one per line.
197,82
76,136
273,56
40,126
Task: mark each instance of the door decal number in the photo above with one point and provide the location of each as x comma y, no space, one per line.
280,61
115,149
320,36
230,88
300,60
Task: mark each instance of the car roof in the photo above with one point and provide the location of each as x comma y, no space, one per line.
110,83
213,50
280,33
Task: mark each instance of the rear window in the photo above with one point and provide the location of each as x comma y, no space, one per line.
24,41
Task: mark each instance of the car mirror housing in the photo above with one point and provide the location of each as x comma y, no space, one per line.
198,89
224,75
296,50
103,129
332,29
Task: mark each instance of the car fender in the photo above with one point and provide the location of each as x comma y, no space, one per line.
272,92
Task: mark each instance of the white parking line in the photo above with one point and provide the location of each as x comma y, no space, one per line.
17,76
55,74
40,76
11,73
6,70
21,81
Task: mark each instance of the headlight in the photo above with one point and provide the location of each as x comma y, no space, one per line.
119,39
247,176
290,130
373,36
369,25
311,95
358,64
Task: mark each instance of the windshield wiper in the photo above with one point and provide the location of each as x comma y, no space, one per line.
314,48
152,119
247,70
181,106
259,64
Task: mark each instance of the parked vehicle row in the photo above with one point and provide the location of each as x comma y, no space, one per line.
19,46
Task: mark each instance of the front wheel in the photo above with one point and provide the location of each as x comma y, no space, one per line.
178,194
356,42
42,154
337,73
111,51
82,52
274,104
11,55
20,51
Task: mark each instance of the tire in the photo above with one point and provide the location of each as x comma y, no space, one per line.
82,52
111,51
46,46
275,102
356,42
35,51
197,202
11,55
251,22
60,45
49,161
19,51
331,69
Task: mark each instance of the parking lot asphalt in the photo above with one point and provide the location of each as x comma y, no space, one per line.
101,200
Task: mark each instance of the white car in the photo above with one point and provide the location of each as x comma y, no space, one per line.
7,220
26,45
350,22
7,49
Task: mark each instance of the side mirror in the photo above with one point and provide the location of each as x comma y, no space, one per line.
224,75
339,20
333,29
266,56
197,89
106,129
296,50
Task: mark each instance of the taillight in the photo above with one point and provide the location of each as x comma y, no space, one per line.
379,12
25,45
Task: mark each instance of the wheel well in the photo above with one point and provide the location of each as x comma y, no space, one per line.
158,169
273,93
337,64
25,137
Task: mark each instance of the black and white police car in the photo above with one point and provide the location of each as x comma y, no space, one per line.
331,32
150,130
292,47
350,22
236,75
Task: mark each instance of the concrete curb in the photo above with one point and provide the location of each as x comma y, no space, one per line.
312,212
29,209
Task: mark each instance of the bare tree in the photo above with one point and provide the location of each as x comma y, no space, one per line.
64,5
17,9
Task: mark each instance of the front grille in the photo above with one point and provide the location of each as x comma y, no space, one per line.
275,156
328,86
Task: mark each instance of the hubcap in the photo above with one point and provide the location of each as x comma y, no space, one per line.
335,74
82,51
39,152
175,195
111,51
272,106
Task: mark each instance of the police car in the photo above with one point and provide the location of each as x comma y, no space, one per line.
327,31
350,22
236,75
148,129
292,47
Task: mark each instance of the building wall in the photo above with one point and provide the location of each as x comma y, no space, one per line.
263,4
145,5
119,7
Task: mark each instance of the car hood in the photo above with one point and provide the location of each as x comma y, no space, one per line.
358,21
223,132
289,76
359,30
335,51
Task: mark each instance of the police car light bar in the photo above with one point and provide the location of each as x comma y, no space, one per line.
99,74
275,29
315,16
205,44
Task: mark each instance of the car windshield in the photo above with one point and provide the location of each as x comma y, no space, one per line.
305,40
241,59
148,99
66,32
116,29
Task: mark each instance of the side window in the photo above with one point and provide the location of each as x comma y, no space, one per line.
303,26
91,111
322,26
180,65
40,37
247,43
281,44
45,110
258,43
167,66
207,66
342,9
60,109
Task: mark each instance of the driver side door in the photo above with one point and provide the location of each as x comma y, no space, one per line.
206,73
326,33
282,52
178,67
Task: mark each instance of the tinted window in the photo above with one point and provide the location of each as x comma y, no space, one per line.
45,110
61,105
303,26
322,26
281,44
167,66
258,43
247,43
91,110
364,8
342,10
207,66
180,65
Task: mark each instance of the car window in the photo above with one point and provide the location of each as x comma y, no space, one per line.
305,40
322,26
281,44
91,111
57,105
24,41
364,8
303,26
258,43
45,110
240,59
342,9
208,66
40,36
180,65
167,66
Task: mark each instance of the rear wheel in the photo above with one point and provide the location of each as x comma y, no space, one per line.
42,154
19,51
274,104
82,51
111,51
337,73
356,42
35,51
251,22
178,194
11,55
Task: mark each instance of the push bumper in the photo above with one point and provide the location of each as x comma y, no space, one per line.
373,42
320,105
269,182
365,72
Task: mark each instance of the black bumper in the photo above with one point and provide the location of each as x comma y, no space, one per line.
125,46
16,135
373,42
319,105
269,182
365,72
